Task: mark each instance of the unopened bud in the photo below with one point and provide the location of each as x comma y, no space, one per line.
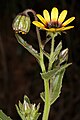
21,24
27,110
63,56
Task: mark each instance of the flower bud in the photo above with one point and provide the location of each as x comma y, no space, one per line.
27,110
63,56
21,24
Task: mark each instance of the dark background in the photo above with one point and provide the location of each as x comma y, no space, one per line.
19,71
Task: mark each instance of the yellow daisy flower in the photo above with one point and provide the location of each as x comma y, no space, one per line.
55,23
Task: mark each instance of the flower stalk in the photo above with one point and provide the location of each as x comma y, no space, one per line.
57,59
37,29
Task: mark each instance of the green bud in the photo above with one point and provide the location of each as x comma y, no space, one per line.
63,56
21,24
28,111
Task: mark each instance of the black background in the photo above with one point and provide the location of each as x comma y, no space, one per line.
19,71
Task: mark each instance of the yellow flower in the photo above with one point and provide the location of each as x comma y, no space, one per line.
55,23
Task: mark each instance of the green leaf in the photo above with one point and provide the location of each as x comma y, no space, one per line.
56,52
48,75
42,95
55,87
4,116
19,110
59,46
57,84
27,46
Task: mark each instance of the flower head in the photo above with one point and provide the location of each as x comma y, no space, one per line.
21,24
53,23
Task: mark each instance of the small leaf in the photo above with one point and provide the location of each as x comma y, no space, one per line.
42,95
27,46
56,52
4,116
59,46
57,84
48,75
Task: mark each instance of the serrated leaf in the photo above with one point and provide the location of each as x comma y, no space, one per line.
48,75
3,116
27,46
57,84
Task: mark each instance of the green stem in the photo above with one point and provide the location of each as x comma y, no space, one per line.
46,86
47,101
46,82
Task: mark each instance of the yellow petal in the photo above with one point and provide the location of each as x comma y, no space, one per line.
54,14
62,16
67,28
46,15
59,29
68,21
50,30
41,19
38,24
64,28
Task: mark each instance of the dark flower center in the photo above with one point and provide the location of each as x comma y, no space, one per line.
52,24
